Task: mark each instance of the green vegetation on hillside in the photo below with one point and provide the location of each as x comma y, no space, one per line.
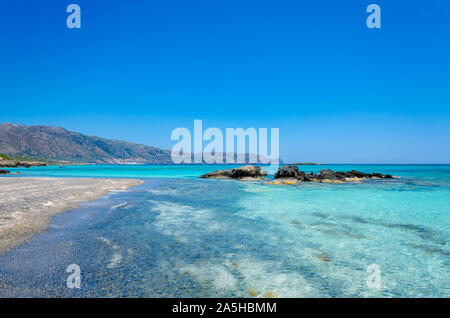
2,156
27,159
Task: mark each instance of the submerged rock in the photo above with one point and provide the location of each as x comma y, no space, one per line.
324,258
283,181
4,171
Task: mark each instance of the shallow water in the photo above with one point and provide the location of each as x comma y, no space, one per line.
420,172
188,237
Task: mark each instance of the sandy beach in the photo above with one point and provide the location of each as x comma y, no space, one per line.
28,204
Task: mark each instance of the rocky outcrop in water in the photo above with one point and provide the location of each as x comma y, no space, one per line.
289,173
243,173
4,171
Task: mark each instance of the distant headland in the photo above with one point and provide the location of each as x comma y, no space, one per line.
40,145
60,146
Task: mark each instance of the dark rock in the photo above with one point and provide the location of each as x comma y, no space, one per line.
218,174
4,171
236,173
330,175
341,176
287,171
325,175
301,176
358,174
246,172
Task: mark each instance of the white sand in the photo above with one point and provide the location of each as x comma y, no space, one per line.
28,204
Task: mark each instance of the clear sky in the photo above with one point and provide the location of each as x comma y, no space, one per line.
338,91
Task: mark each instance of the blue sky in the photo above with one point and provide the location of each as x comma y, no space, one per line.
338,91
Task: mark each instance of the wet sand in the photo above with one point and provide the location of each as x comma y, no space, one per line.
28,204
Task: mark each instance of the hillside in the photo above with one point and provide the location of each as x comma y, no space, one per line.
59,144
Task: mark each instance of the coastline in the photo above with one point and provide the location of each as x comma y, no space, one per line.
27,204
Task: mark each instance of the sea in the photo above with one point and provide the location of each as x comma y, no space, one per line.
177,235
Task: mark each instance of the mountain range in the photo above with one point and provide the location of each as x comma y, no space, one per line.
57,145
60,145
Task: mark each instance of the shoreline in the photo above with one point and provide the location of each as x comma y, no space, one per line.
27,204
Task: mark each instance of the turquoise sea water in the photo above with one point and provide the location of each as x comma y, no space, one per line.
178,235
